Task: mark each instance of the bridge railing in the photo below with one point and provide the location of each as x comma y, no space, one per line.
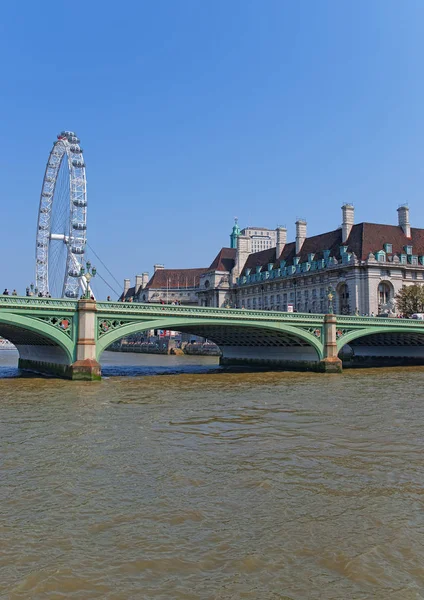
34,302
345,320
159,309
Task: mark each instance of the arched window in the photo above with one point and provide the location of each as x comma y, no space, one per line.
343,293
384,293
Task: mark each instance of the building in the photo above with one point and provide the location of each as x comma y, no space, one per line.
165,286
260,237
363,266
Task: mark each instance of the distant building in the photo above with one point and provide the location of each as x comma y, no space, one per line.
165,286
260,237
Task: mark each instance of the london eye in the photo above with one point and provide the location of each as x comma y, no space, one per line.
62,221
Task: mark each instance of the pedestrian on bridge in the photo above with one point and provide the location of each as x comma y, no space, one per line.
6,292
14,293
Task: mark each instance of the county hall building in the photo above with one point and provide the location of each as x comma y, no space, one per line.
365,264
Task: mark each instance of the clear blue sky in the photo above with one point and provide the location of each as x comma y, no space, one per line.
193,111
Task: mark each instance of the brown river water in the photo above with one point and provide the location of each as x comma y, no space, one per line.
171,479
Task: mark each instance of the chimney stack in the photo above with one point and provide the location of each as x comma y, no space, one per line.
300,234
138,283
157,267
348,213
281,241
403,216
126,286
144,279
244,245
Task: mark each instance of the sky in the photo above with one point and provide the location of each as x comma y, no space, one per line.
192,112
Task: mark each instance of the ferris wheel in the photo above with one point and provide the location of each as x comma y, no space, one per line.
62,221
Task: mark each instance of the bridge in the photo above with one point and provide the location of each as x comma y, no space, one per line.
67,337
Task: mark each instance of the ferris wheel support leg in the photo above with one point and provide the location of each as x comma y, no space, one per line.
86,367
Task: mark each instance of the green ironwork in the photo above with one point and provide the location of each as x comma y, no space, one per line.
56,322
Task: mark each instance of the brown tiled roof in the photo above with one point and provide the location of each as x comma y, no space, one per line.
374,236
130,293
363,239
264,257
224,260
176,278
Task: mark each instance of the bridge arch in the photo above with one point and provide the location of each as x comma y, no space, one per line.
223,333
386,343
36,340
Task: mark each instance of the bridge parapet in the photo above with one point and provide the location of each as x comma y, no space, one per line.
28,303
135,308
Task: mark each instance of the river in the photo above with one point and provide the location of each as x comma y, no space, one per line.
171,479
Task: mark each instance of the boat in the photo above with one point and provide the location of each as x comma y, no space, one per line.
6,345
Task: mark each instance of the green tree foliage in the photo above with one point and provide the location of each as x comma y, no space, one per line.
410,300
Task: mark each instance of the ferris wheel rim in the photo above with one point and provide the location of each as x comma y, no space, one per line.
66,147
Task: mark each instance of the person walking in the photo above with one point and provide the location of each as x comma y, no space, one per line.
14,293
6,292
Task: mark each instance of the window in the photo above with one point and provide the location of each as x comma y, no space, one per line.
408,249
383,293
414,275
388,248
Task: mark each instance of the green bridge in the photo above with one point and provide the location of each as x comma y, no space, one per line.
67,337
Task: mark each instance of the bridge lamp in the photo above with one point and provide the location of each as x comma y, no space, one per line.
88,275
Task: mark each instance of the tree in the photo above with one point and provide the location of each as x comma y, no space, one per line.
410,300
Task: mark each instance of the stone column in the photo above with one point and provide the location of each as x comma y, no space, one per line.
86,367
331,363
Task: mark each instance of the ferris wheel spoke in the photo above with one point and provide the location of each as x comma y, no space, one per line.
62,217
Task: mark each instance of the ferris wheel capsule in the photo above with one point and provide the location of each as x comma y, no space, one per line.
62,220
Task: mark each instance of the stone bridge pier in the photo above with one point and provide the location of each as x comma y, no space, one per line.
86,367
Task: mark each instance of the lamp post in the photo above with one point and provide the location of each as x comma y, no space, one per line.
88,275
330,296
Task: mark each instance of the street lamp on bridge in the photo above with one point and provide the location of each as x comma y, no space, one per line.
91,272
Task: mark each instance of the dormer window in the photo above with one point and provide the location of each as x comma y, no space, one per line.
388,248
270,266
343,249
380,256
403,259
326,254
258,269
296,260
282,264
248,271
408,249
311,257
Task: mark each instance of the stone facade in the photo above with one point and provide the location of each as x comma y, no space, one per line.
364,266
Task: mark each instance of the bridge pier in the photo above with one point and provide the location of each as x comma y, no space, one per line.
331,363
86,367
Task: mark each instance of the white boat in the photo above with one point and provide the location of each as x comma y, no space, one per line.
6,345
